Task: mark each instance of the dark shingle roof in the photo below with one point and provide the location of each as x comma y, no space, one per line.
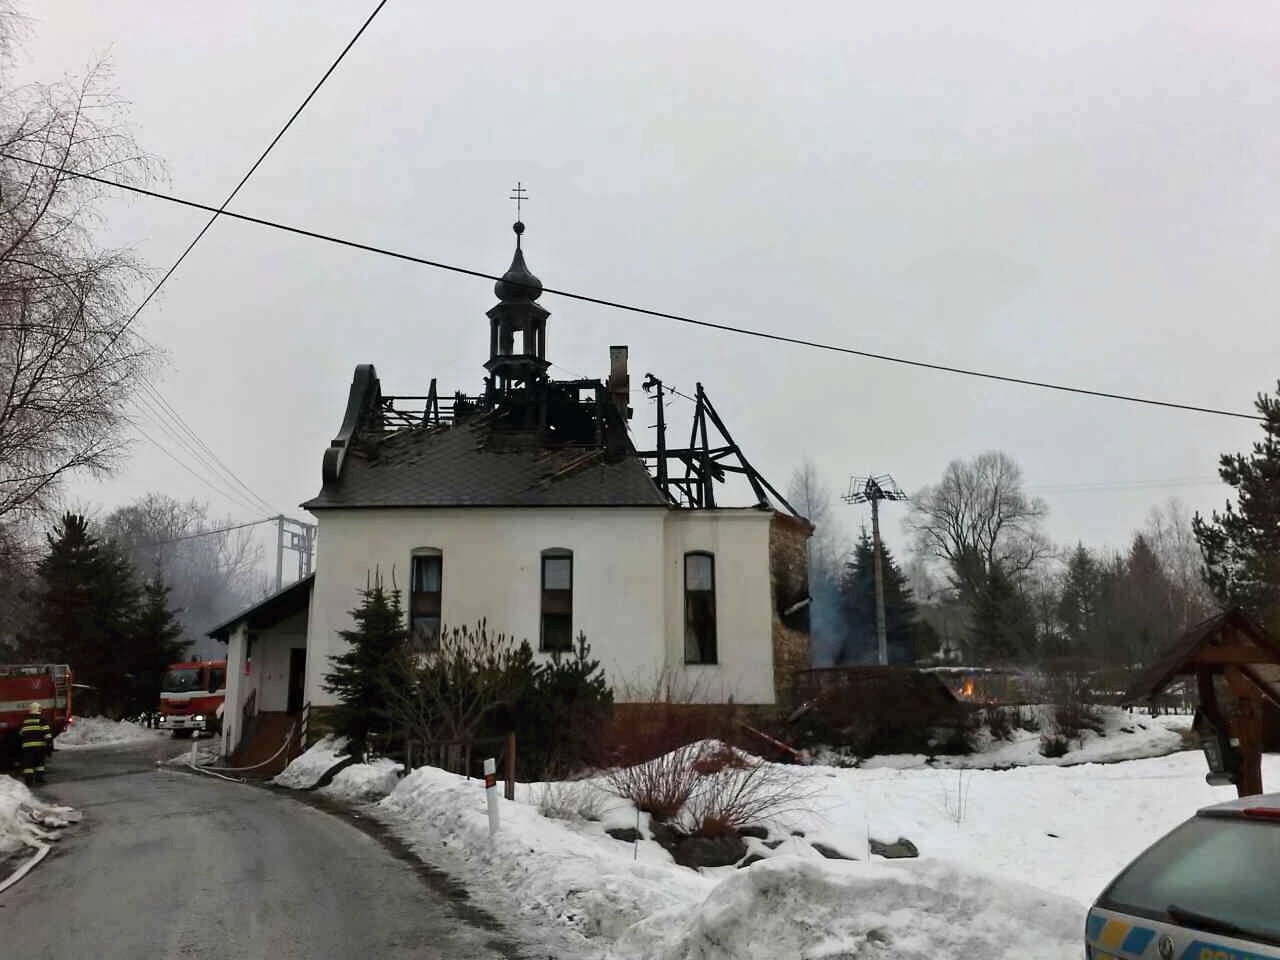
267,613
474,465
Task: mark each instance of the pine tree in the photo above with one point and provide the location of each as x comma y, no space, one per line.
1003,627
1241,545
560,712
86,604
1108,638
903,629
1150,623
1077,607
156,643
372,661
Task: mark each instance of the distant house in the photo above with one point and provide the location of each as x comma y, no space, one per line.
529,505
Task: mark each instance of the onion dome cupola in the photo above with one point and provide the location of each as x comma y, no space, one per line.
517,326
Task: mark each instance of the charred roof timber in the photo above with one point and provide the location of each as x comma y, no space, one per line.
526,440
708,458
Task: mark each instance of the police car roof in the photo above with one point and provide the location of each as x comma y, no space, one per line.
1241,805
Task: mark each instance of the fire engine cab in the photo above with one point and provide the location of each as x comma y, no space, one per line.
191,697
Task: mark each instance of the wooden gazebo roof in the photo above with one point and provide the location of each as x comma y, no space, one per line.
1230,638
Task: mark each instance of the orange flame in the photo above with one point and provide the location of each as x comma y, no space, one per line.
966,690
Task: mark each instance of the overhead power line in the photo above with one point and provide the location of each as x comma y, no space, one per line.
616,305
207,533
231,493
164,410
257,163
172,424
35,562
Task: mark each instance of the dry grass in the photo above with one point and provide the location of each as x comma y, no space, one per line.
572,800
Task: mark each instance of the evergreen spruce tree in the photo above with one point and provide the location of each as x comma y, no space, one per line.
1241,545
85,610
156,643
1149,623
1077,606
559,713
372,661
903,629
1004,626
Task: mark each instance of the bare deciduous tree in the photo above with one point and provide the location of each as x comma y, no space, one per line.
826,550
1170,533
17,576
977,519
68,360
211,575
815,502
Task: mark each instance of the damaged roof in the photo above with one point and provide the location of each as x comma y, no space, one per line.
472,464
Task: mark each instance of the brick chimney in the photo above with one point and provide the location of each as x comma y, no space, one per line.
619,382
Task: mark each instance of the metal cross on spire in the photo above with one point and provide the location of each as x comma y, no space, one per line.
519,195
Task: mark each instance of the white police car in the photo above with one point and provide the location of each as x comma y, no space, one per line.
1207,890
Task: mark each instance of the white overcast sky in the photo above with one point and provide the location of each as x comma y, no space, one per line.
1082,193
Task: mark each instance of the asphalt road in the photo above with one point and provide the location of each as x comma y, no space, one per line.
171,865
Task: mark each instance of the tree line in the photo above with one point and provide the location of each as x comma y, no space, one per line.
122,597
981,577
984,583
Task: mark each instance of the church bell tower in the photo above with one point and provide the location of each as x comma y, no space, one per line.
517,328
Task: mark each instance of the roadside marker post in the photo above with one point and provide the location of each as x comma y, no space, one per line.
491,792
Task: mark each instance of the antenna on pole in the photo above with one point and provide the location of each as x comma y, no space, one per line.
872,490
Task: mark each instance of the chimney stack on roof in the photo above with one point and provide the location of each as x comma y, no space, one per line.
619,382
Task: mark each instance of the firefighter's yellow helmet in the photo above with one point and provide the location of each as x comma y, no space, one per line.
35,707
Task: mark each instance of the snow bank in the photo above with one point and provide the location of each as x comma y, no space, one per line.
99,731
793,907
304,771
366,781
25,820
570,879
1009,859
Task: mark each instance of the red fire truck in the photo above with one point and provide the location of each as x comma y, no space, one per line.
191,697
22,684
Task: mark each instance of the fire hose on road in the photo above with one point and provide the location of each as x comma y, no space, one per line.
221,772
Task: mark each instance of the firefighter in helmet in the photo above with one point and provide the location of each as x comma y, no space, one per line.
35,736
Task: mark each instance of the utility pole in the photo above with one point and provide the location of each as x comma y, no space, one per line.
872,490
301,539
650,382
280,522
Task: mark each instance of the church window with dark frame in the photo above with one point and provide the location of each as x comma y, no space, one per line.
556,626
700,607
426,589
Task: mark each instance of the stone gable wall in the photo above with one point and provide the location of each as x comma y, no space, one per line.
789,575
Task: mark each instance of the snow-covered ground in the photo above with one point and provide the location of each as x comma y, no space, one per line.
1009,859
99,731
26,821
308,768
1126,736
